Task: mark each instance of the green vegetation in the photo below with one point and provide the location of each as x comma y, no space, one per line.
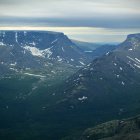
126,129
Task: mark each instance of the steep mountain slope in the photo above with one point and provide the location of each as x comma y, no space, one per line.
126,129
113,74
106,89
52,45
41,54
38,49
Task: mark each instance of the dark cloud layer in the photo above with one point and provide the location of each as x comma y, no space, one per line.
88,20
72,22
85,13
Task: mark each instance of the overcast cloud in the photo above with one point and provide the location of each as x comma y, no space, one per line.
108,14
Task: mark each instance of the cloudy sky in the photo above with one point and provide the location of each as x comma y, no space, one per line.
87,20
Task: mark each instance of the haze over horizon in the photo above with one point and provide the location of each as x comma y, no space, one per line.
85,20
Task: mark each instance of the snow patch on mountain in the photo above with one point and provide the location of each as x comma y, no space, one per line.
82,98
59,58
137,60
37,52
121,68
16,37
47,52
34,51
134,60
63,49
130,49
54,41
123,83
33,43
107,53
2,44
118,76
13,64
14,69
3,34
81,63
25,33
137,65
30,74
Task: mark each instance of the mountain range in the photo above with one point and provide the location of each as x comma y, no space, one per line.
96,87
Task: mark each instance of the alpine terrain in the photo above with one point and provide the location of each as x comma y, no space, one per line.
50,88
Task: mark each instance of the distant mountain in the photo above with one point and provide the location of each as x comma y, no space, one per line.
94,50
119,69
36,104
41,44
107,88
86,46
41,53
102,50
110,79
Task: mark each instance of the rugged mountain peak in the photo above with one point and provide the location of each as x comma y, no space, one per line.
131,43
52,46
40,39
133,36
52,52
100,80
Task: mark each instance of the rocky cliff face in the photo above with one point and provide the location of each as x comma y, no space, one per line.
49,45
106,88
126,129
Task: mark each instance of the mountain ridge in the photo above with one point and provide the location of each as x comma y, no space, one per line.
125,129
105,89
